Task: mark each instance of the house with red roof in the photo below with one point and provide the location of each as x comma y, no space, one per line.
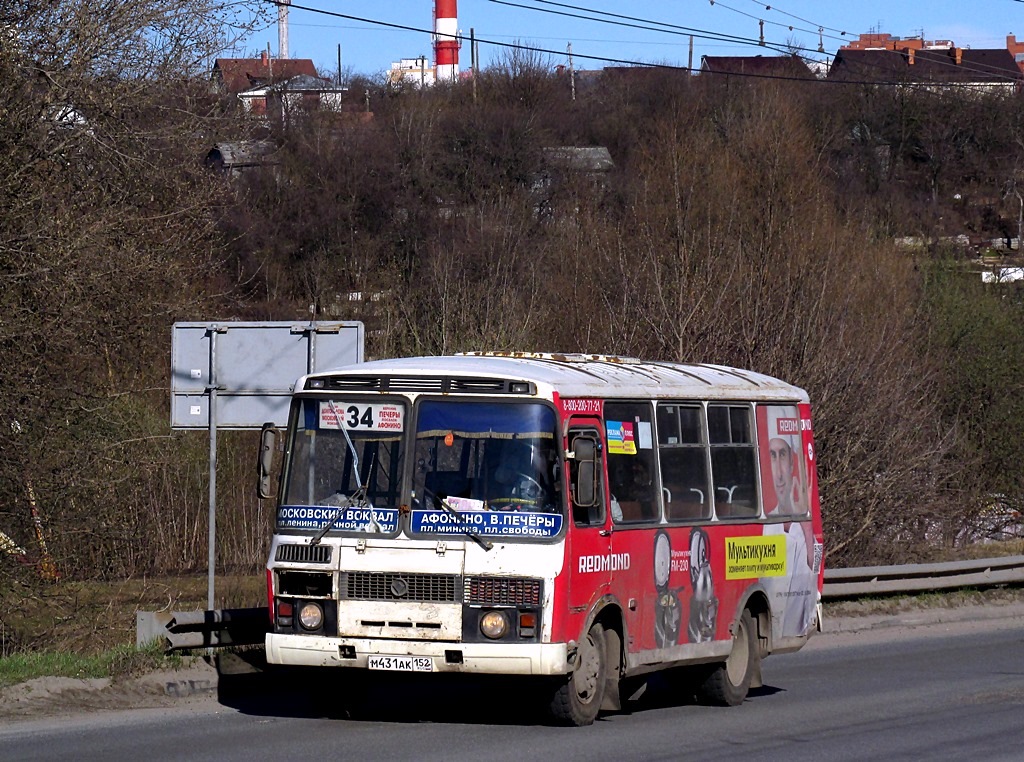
239,75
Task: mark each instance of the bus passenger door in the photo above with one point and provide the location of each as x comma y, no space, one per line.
589,547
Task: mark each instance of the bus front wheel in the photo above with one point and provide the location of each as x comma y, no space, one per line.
577,698
729,682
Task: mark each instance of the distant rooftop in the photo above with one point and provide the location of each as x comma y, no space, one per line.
237,75
791,66
929,65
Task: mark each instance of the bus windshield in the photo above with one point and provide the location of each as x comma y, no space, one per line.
345,470
492,464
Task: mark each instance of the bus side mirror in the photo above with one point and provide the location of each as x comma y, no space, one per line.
584,487
265,462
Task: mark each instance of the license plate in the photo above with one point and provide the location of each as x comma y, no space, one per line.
401,663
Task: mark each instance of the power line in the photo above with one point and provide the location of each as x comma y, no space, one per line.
708,34
463,38
645,25
822,27
705,34
719,4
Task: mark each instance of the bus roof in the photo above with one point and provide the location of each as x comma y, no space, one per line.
568,375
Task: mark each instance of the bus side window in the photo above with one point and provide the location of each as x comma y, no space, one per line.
683,458
733,460
632,471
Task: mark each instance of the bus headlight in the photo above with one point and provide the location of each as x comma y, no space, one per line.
494,624
311,616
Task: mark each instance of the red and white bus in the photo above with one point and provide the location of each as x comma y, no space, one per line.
577,517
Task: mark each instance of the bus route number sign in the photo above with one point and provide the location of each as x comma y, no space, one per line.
361,416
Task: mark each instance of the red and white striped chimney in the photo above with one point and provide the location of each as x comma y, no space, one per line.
446,47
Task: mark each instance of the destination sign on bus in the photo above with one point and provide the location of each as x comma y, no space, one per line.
488,523
355,416
352,519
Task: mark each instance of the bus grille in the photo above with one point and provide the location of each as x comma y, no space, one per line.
502,591
401,586
304,554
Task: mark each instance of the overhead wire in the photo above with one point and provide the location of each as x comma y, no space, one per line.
687,29
700,34
790,27
841,32
845,36
625,20
978,69
619,20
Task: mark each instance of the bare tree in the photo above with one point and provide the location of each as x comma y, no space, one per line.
108,235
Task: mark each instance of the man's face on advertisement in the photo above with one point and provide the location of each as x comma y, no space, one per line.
782,469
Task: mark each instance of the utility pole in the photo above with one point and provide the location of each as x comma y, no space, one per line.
282,28
473,61
572,73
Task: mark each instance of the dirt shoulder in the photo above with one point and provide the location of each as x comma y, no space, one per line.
45,696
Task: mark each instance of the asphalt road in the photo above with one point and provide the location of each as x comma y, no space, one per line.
910,691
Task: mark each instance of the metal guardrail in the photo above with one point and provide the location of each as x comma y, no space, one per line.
191,630
185,630
914,578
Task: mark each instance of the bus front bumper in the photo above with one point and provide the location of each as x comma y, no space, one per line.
479,658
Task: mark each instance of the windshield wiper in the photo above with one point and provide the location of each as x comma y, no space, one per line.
466,529
339,511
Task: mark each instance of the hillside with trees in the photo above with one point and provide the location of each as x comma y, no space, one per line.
749,223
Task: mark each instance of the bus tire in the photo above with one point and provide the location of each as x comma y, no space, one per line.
729,681
578,697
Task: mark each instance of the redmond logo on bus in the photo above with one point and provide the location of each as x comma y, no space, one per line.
608,562
753,557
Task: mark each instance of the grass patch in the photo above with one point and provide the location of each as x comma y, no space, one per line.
97,618
903,602
985,550
123,661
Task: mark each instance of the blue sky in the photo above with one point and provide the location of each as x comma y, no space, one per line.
369,48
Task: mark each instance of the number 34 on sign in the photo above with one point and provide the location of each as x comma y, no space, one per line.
361,416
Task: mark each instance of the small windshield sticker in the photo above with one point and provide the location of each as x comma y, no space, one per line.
620,438
466,504
362,416
488,523
348,520
644,435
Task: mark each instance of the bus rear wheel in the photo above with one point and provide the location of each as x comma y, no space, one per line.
577,698
729,682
